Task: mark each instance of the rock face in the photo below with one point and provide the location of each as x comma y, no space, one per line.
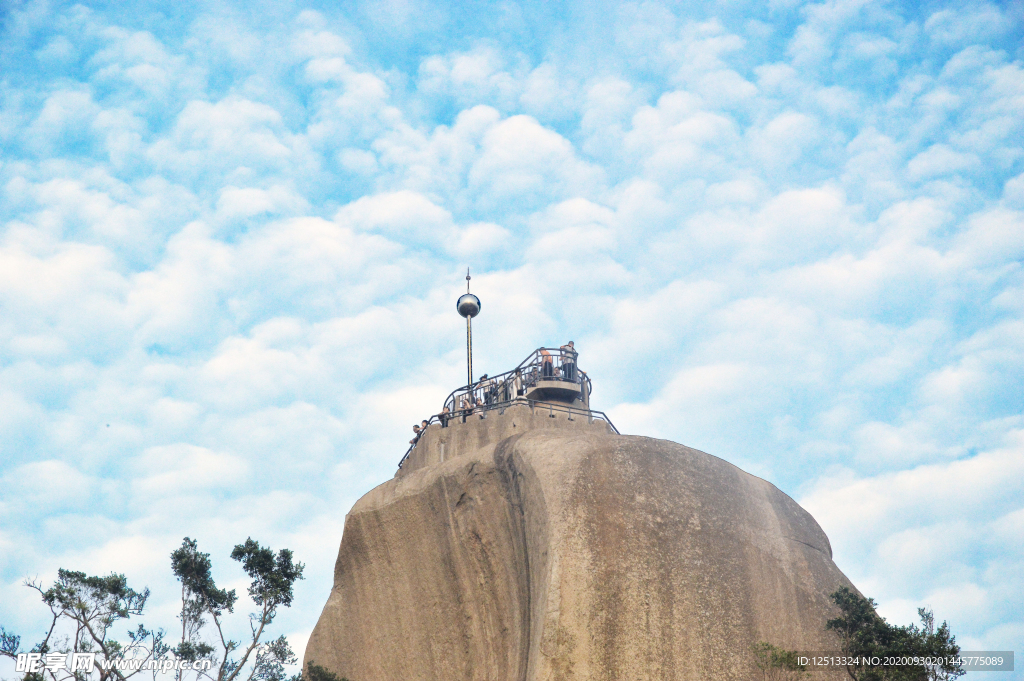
530,547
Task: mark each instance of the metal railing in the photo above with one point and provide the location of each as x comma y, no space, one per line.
543,364
534,405
511,387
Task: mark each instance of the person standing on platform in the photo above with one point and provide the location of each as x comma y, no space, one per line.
547,368
568,361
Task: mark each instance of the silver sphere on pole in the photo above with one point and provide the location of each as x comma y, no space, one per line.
468,305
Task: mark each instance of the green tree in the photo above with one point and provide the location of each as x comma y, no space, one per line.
315,672
273,580
777,664
864,634
86,610
9,643
83,612
199,597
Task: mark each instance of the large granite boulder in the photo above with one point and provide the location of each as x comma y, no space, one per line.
528,547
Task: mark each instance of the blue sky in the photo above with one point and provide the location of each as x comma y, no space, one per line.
232,234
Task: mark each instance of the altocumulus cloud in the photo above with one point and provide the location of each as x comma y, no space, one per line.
790,234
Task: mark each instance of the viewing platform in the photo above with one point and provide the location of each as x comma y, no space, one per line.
548,374
547,388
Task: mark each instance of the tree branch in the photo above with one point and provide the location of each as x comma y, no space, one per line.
264,621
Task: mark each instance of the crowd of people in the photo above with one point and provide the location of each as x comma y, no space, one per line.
505,388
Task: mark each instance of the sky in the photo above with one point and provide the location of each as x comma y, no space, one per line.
789,234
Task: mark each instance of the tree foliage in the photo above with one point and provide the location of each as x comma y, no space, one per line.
272,576
199,596
863,633
273,580
777,664
315,672
85,611
9,643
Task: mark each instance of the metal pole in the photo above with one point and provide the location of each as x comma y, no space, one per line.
468,306
469,351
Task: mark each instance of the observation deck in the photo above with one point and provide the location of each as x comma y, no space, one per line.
546,388
547,375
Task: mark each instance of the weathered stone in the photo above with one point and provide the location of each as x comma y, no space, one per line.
535,548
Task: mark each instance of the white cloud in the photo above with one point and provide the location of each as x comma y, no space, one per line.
610,102
137,60
521,159
934,533
438,161
234,133
785,139
479,75
65,120
701,54
245,202
940,160
991,238
177,302
172,470
679,137
545,92
401,215
477,239
970,24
